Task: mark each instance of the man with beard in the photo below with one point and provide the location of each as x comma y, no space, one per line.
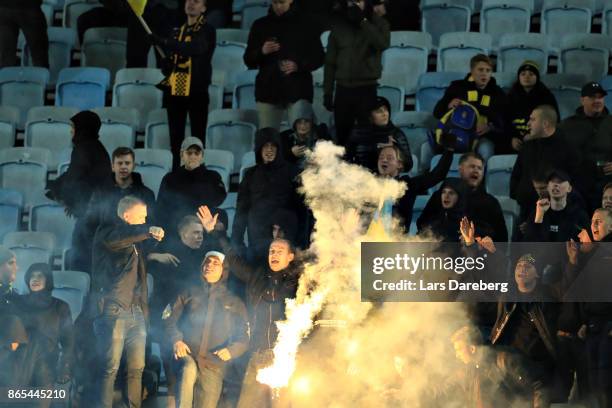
483,208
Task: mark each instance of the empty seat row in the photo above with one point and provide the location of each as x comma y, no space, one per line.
497,17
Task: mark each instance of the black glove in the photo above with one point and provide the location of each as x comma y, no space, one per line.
157,40
354,15
328,102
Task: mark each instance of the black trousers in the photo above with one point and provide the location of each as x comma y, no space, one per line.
196,105
34,26
161,20
350,106
572,359
99,17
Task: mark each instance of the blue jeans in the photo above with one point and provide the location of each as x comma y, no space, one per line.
485,148
116,329
208,384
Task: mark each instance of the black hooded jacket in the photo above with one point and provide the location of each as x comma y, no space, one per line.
265,188
539,157
89,166
266,292
182,191
48,322
444,222
299,42
365,141
103,204
208,318
521,103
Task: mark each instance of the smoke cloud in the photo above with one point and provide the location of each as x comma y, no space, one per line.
392,354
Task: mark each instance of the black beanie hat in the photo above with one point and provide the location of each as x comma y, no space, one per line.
529,66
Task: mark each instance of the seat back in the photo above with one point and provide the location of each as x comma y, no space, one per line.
82,88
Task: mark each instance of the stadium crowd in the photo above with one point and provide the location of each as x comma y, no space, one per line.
217,298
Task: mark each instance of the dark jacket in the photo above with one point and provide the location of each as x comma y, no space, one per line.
13,370
590,282
21,4
522,103
491,103
539,157
48,322
289,139
266,292
542,315
418,185
183,191
103,204
444,222
558,226
354,53
265,188
119,265
591,141
364,143
299,42
89,166
208,318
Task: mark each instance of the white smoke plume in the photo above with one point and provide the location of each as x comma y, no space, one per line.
395,354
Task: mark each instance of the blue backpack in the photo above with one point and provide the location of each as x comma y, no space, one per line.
460,122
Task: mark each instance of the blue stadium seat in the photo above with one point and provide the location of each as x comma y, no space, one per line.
72,287
415,126
49,127
153,164
253,11
325,39
74,8
322,115
513,49
606,20
244,90
222,162
61,43
499,17
48,11
11,205
407,57
388,88
9,118
456,49
498,172
229,205
29,248
216,90
27,177
606,82
248,161
136,88
26,154
511,211
118,127
228,57
442,16
561,17
23,87
417,210
82,88
232,130
51,217
104,47
452,172
157,133
235,35
566,88
431,87
64,161
585,54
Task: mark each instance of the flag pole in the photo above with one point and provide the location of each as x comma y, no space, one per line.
145,26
